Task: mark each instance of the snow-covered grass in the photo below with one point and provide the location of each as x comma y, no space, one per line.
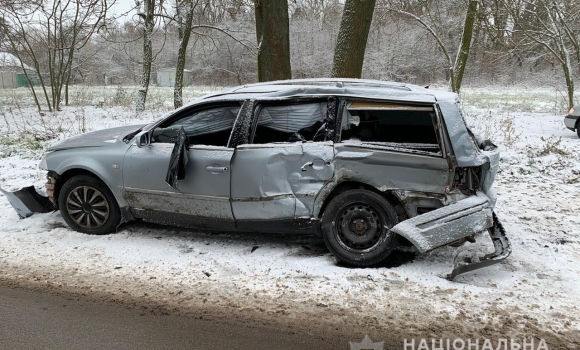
105,96
532,293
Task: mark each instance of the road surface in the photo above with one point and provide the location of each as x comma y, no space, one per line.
35,319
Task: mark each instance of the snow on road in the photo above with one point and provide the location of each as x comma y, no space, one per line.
533,293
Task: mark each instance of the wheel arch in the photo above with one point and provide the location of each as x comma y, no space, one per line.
72,172
331,191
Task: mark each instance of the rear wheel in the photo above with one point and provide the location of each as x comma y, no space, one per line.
87,205
356,227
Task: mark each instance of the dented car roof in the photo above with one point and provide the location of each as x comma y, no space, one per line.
370,89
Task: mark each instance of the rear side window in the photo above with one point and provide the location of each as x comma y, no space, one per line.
402,126
296,122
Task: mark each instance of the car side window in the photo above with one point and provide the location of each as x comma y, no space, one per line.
211,126
406,127
290,122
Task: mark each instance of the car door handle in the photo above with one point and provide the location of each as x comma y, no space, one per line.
216,169
317,164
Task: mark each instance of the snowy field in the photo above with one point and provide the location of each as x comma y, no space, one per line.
287,278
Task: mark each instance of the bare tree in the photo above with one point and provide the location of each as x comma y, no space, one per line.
48,37
463,53
273,34
184,15
549,30
456,67
184,11
147,18
352,38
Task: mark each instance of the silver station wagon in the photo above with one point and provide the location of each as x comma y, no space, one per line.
368,166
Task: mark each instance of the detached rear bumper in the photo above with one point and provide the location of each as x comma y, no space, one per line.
27,201
502,246
454,222
448,224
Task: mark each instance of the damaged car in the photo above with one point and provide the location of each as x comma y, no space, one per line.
368,166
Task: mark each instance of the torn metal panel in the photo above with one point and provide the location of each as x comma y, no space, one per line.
417,203
318,158
241,130
466,151
383,168
490,169
26,201
261,185
502,249
279,180
415,148
334,108
448,224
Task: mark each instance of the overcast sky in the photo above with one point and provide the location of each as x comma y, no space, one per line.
122,6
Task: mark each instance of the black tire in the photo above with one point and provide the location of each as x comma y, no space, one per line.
356,227
578,130
88,206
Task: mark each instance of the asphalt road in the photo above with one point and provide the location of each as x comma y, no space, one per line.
40,320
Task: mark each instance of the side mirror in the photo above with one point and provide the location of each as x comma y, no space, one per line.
166,135
143,139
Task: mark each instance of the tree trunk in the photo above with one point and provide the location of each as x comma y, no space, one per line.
273,34
184,34
463,52
569,85
352,38
148,26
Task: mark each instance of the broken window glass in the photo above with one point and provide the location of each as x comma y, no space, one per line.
211,126
404,127
291,123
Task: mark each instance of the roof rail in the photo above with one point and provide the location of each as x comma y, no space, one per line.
340,82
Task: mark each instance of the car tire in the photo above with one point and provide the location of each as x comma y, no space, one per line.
356,227
578,130
88,206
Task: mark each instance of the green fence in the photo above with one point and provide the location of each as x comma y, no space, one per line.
23,81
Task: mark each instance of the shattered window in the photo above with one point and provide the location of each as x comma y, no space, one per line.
291,123
211,126
393,125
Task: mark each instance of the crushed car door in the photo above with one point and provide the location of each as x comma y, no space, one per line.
204,190
290,158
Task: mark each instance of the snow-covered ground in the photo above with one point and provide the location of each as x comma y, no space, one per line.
286,277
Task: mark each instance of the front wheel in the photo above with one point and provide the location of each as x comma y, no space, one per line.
356,227
87,205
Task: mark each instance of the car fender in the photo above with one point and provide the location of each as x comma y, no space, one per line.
106,165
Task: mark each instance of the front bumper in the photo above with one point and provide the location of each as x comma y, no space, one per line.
570,122
28,201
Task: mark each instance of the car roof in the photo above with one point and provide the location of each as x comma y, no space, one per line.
355,88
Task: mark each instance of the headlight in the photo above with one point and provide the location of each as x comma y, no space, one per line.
571,111
42,165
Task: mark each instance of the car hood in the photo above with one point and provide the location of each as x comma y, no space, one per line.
101,138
